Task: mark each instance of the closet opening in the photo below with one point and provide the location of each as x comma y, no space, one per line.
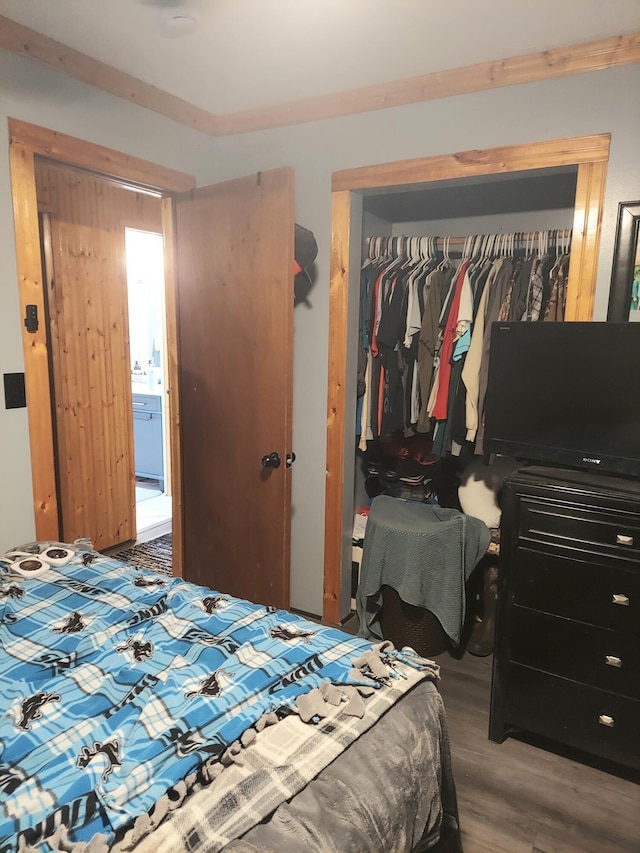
513,203
416,243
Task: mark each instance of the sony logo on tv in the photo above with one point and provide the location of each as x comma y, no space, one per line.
592,461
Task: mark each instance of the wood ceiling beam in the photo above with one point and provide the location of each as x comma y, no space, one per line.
596,55
27,42
544,65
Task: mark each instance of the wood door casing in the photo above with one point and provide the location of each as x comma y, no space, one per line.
235,325
589,153
84,218
26,141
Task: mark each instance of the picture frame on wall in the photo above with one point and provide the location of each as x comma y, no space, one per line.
624,295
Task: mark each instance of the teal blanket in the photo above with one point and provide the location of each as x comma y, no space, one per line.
116,683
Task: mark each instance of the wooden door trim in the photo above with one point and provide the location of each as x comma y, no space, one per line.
581,282
173,384
25,142
489,161
338,310
589,153
34,344
105,161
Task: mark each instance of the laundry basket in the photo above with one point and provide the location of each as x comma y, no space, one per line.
407,625
426,553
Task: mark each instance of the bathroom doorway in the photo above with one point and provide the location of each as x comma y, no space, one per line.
148,348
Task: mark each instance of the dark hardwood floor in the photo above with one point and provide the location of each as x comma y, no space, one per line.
515,797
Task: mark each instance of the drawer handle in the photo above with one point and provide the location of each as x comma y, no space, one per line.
621,539
612,660
620,599
606,720
136,403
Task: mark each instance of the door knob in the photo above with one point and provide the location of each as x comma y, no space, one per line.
271,460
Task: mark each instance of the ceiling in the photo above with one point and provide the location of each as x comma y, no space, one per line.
246,54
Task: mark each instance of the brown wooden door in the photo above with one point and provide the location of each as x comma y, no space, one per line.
83,220
234,266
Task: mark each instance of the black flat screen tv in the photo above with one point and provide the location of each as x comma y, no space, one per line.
565,394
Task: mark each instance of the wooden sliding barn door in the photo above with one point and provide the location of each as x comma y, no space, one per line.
83,220
234,262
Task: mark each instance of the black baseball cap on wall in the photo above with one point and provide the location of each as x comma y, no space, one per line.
305,250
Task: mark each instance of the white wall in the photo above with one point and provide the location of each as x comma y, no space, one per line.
32,93
573,106
591,103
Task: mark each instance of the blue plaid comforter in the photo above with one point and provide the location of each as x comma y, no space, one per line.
116,683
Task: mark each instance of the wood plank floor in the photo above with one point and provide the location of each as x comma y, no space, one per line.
518,798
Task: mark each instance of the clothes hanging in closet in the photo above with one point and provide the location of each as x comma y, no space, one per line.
425,325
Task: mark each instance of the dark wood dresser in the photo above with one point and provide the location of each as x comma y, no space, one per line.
567,653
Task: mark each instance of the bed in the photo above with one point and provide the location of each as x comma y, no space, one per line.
143,713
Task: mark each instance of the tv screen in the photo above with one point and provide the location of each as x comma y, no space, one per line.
566,394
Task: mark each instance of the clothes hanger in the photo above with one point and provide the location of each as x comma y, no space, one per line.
367,261
446,252
436,251
372,252
424,255
411,257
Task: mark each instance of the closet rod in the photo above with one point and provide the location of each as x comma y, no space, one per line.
560,233
473,246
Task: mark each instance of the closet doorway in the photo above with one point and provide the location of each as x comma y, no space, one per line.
586,157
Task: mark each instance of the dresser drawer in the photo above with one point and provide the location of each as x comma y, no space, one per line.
146,403
591,529
577,588
594,720
608,660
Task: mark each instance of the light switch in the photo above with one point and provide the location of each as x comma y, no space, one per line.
14,393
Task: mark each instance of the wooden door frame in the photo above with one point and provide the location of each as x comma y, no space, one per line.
26,141
590,154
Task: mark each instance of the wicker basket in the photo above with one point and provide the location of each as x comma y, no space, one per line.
407,625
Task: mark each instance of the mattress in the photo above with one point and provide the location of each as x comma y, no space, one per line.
139,712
